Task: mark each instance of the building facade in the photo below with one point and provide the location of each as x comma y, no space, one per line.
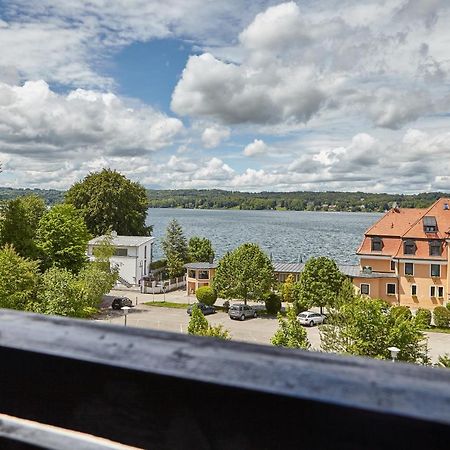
199,274
132,255
404,257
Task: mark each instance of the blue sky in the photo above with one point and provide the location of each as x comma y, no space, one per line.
242,95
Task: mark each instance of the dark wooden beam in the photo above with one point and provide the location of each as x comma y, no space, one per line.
161,390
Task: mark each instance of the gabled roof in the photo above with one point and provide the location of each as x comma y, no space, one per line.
395,222
123,241
280,267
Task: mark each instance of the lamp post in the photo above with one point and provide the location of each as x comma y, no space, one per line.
394,353
125,310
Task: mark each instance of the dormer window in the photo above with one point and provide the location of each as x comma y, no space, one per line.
435,248
429,224
377,244
409,247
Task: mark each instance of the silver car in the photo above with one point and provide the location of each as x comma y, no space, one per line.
311,318
241,312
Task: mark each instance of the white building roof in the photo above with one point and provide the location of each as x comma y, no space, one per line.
124,241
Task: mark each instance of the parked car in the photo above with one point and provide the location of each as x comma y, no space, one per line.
311,318
120,302
241,312
205,309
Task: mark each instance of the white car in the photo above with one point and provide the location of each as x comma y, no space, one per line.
311,318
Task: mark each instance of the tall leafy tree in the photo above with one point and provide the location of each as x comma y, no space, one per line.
287,289
368,327
19,279
175,248
199,326
109,201
20,221
200,249
320,282
62,238
246,273
290,333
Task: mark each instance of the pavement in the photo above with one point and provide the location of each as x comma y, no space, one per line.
257,331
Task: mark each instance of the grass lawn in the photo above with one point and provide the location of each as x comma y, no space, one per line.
168,305
438,330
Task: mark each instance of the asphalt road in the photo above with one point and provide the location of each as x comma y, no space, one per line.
257,331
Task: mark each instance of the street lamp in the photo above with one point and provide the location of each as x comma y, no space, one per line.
125,310
394,353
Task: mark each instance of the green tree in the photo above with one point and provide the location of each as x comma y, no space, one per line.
20,221
287,289
62,238
320,282
109,201
246,273
19,279
175,248
206,295
367,327
200,249
199,326
346,293
290,333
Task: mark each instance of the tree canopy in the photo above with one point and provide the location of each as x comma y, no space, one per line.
290,333
199,326
21,218
175,248
200,249
246,273
62,238
108,201
320,282
368,327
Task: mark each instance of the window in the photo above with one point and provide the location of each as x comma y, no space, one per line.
435,248
391,288
120,252
414,290
377,244
364,289
429,224
432,291
409,247
203,275
435,270
145,252
409,269
392,265
191,274
440,290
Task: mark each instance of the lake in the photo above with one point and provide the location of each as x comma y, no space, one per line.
287,235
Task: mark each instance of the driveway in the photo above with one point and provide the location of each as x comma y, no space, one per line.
257,331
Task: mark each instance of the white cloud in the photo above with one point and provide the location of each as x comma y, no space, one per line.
297,64
257,147
214,135
36,121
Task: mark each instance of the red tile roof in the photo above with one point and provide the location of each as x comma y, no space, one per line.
397,225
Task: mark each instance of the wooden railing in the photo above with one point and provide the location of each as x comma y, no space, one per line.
158,390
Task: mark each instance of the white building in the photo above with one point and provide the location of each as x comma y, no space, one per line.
133,256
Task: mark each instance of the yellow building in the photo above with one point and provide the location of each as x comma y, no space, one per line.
199,274
404,257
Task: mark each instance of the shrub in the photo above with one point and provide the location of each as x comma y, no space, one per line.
273,303
423,317
226,305
300,306
444,361
206,295
402,312
448,306
441,317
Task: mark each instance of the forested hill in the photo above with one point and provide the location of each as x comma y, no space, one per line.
51,196
296,201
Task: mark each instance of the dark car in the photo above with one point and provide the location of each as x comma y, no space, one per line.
120,302
205,309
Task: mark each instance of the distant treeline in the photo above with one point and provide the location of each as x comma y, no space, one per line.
292,201
51,196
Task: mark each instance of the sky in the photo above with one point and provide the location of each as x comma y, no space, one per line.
248,95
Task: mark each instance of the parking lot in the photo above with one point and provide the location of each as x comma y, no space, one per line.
257,331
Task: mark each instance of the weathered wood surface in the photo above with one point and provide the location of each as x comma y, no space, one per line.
170,391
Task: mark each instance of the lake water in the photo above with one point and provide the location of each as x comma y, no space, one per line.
287,235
